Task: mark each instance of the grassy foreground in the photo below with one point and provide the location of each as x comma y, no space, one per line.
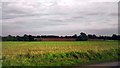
58,53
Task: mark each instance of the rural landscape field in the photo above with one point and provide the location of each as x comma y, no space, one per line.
65,53
60,33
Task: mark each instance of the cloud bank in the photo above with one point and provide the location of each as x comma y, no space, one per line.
60,17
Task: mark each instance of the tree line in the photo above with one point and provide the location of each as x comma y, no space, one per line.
81,37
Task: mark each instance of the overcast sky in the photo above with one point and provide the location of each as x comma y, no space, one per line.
59,17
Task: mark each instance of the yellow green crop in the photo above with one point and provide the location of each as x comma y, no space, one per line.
54,53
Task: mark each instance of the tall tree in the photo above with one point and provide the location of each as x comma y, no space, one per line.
31,38
82,37
25,37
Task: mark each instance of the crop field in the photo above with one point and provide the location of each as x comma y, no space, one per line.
64,53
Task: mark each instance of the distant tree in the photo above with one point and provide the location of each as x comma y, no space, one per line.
10,38
0,38
52,36
94,36
43,36
114,37
90,36
38,36
74,36
66,36
118,37
82,37
31,38
61,37
25,37
17,38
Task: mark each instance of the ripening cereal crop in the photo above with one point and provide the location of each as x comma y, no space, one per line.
58,53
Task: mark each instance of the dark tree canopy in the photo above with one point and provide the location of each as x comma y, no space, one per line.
82,37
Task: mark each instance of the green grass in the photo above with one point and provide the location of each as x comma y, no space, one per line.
59,53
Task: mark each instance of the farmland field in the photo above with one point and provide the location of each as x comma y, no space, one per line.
58,53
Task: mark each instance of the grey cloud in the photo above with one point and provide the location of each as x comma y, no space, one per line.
10,12
113,14
37,19
96,13
108,31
